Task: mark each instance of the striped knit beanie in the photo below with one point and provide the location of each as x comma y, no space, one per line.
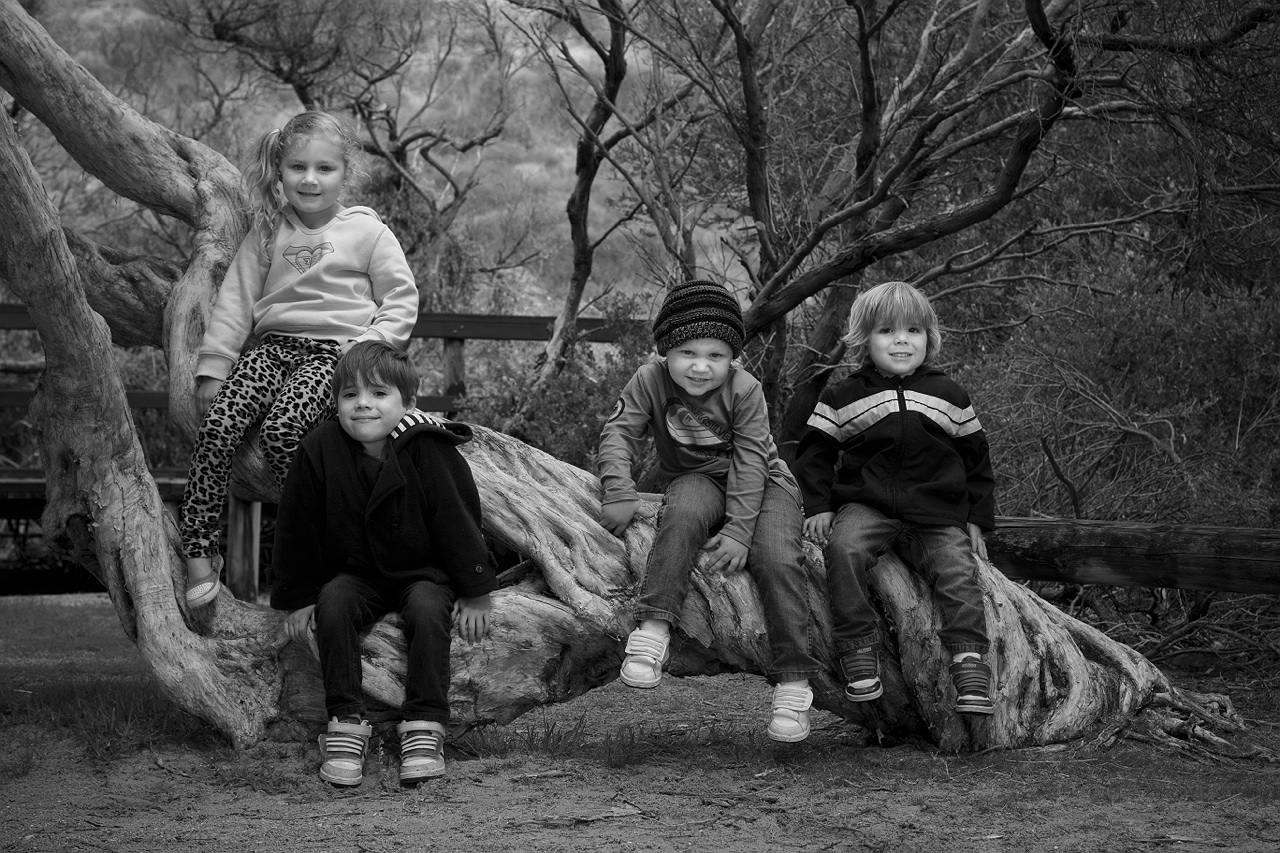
698,309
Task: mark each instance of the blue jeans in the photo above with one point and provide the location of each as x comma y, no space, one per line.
692,508
348,605
941,553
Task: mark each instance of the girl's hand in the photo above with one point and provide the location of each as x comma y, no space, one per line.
728,555
205,392
976,541
297,623
471,615
818,527
616,517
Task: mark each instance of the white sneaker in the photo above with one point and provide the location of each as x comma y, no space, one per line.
344,746
421,751
646,653
790,720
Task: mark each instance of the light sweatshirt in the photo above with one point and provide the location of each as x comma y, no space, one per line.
345,281
725,436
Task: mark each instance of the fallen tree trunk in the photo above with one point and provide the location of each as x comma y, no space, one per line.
1059,679
1222,559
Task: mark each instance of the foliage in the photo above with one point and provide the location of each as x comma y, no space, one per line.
1144,406
1221,633
968,149
564,419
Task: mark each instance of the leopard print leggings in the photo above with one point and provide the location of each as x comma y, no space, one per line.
285,383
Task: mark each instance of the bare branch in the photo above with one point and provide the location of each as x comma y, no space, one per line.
1247,21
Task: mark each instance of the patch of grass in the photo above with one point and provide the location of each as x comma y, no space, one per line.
721,741
110,717
268,768
541,737
63,638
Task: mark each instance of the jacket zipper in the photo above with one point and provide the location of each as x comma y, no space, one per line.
902,442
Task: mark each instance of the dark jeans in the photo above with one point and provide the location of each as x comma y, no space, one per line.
348,605
941,553
692,507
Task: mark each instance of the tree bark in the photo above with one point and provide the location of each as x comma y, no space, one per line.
142,161
102,505
816,364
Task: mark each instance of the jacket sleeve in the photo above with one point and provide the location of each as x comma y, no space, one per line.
231,322
749,467
297,559
455,523
815,463
976,455
395,292
621,440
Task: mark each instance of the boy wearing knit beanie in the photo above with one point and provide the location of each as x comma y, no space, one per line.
727,493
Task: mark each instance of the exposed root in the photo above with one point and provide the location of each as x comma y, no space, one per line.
1189,723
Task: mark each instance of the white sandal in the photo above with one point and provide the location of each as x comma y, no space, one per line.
646,653
204,591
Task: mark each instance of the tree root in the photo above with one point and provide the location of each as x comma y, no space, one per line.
1190,723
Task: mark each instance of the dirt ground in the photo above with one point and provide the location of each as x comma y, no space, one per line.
94,760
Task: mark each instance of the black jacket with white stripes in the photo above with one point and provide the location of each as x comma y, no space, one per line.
911,447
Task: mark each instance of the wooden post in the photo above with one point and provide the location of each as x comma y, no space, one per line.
454,360
244,529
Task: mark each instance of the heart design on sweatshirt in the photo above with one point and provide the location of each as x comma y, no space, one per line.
304,258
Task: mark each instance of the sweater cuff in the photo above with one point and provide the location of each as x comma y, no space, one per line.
737,535
213,366
372,334
617,494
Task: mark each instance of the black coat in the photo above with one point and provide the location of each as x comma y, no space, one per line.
420,519
911,447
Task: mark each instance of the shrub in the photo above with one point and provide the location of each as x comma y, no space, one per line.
1143,407
564,420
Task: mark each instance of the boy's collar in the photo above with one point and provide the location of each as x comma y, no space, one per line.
870,369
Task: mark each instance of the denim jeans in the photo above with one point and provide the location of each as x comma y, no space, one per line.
692,508
941,553
348,605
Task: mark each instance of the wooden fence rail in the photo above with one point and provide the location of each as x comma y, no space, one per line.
453,329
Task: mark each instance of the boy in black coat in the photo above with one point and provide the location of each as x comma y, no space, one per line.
379,513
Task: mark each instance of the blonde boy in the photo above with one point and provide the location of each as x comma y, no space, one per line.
895,456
